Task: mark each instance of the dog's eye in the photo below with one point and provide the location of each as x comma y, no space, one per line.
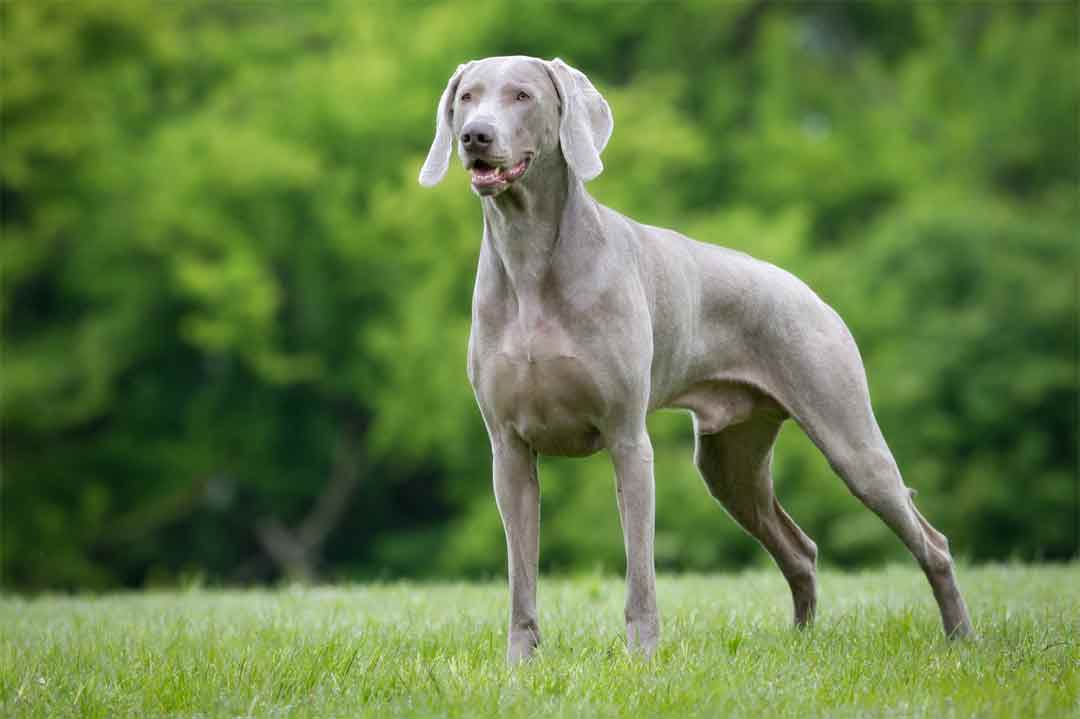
522,96
466,96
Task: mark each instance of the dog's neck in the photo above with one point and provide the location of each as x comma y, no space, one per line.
523,224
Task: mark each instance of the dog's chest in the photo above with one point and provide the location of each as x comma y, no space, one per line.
534,378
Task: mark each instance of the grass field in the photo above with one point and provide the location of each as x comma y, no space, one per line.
437,650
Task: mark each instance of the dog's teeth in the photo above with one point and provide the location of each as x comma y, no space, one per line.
489,175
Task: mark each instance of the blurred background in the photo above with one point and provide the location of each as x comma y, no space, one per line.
234,326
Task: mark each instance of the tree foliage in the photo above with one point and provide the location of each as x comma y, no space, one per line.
223,288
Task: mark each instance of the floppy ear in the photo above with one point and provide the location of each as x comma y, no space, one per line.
586,122
438,158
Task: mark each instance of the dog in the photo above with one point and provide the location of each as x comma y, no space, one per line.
584,321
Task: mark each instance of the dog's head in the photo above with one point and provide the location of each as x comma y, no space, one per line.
507,114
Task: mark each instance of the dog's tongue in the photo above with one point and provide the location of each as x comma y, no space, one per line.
496,174
487,177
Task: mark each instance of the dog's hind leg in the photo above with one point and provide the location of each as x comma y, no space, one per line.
735,464
868,468
832,405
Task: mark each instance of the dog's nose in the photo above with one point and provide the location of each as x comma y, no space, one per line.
477,135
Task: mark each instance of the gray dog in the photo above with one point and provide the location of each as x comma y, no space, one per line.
584,321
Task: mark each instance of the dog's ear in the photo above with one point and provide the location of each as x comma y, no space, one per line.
438,158
586,122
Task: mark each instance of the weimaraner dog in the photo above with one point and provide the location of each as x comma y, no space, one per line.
584,321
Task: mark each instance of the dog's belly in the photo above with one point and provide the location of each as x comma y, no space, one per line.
550,401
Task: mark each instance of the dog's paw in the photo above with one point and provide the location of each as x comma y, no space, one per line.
522,646
642,637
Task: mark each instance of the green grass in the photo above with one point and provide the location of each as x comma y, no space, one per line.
407,649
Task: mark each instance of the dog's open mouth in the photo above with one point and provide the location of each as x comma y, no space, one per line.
487,176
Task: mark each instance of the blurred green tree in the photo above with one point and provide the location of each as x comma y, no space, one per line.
234,326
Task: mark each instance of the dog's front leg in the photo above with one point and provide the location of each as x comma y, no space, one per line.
633,459
517,492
